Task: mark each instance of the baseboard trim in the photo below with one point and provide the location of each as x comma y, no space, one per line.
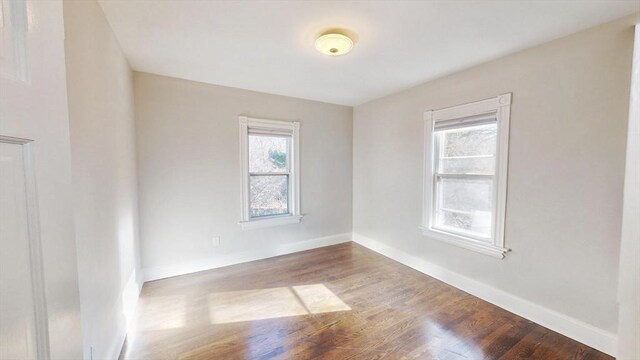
162,272
580,331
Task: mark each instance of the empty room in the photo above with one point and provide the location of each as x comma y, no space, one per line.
290,179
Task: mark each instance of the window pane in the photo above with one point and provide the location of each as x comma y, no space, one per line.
268,153
470,149
269,195
468,165
465,205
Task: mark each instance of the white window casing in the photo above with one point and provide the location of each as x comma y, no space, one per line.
291,130
491,111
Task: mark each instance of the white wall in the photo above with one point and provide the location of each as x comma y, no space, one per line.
629,285
100,93
37,109
189,173
566,169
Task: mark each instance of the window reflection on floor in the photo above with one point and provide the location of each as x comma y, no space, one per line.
443,343
248,305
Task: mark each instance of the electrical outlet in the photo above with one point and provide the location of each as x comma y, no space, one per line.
215,241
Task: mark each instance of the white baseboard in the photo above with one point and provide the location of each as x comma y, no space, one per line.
587,334
590,335
162,272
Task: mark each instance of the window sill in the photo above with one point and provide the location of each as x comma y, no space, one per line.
465,242
270,222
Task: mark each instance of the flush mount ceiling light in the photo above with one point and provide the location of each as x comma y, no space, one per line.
334,44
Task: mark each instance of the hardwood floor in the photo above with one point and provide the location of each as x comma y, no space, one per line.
338,302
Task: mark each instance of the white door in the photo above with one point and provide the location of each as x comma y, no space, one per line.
20,284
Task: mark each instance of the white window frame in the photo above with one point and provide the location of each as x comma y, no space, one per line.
500,107
287,128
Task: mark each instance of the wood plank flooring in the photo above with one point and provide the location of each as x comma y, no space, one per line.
337,302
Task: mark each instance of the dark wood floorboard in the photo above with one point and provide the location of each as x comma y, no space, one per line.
337,302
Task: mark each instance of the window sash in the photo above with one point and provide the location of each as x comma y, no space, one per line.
287,173
438,206
272,128
289,138
288,196
496,109
438,147
469,122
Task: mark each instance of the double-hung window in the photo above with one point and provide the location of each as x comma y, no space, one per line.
466,174
270,172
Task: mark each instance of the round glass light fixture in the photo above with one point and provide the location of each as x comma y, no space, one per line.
334,44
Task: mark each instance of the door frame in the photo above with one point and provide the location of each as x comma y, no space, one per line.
35,245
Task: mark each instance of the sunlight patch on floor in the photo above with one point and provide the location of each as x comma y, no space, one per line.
172,308
318,299
249,305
